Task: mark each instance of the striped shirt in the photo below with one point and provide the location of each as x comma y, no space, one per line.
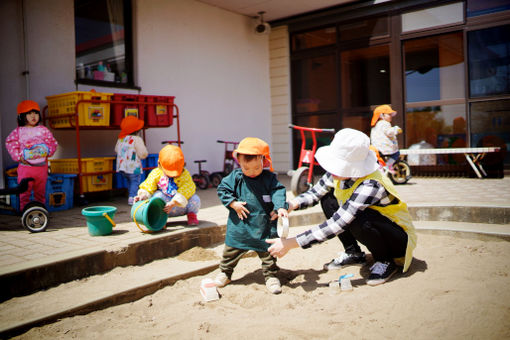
369,192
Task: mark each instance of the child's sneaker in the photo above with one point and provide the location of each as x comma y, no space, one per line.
221,280
381,272
345,259
273,285
131,200
192,219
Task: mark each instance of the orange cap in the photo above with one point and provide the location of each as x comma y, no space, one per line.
378,111
255,146
27,106
171,160
129,125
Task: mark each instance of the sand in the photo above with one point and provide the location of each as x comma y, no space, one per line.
458,287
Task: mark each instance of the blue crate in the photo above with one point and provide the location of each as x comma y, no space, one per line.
150,162
59,192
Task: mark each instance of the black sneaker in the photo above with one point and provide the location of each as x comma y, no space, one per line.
346,259
381,272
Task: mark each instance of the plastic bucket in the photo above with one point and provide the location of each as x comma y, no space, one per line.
150,213
99,219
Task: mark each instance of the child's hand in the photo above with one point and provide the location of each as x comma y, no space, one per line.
141,196
398,129
169,206
240,209
281,213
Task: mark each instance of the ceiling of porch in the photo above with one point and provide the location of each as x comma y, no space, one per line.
274,9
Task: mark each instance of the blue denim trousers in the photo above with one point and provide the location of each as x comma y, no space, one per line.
133,182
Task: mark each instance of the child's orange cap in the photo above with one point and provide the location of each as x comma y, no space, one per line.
171,160
378,111
129,125
27,106
255,146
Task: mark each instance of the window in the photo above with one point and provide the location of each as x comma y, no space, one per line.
489,67
364,29
442,126
365,76
316,38
490,125
103,42
434,84
314,84
481,7
433,17
434,68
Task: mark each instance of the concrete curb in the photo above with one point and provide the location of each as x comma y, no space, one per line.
55,270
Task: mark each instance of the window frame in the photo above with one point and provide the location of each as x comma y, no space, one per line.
128,50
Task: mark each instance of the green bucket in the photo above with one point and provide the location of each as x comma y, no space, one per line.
99,219
149,213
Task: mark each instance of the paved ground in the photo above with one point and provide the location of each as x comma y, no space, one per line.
68,236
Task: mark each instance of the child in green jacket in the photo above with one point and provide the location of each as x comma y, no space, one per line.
255,199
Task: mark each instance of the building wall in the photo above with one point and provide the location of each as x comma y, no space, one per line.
208,58
279,66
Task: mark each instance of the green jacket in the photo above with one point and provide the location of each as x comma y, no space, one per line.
262,195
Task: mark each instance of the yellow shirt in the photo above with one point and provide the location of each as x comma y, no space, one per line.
184,182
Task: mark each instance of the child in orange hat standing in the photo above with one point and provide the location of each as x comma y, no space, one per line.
130,150
173,183
31,144
255,199
384,136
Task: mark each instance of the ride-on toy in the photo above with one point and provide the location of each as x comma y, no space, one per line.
34,216
202,178
229,163
401,170
302,178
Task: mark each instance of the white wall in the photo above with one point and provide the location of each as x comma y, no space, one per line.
214,65
208,58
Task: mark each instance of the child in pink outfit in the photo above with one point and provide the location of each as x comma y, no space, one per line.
31,144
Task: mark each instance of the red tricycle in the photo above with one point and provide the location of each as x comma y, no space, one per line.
302,178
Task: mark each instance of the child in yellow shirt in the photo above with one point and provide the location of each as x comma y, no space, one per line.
171,182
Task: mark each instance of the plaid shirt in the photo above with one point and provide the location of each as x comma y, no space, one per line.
369,192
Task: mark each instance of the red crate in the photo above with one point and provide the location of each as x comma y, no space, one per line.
160,114
119,111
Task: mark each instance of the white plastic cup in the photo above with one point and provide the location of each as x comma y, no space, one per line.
283,227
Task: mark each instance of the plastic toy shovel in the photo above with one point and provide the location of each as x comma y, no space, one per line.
283,227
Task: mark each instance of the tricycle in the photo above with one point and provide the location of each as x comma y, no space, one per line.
302,177
34,217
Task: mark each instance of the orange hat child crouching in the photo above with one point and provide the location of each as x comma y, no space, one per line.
171,160
255,146
28,106
129,125
378,111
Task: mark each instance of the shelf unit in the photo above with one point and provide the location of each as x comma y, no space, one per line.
74,119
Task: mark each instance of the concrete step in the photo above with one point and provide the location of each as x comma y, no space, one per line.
500,230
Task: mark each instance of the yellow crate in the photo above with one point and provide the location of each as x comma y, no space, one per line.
89,113
90,183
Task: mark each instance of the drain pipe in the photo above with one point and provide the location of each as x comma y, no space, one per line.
25,72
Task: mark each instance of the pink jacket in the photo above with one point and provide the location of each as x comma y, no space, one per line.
34,144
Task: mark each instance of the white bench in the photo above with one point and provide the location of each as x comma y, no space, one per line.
473,155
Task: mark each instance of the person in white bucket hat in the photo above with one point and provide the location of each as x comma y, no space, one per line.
370,211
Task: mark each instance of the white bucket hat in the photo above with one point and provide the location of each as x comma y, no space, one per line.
348,155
